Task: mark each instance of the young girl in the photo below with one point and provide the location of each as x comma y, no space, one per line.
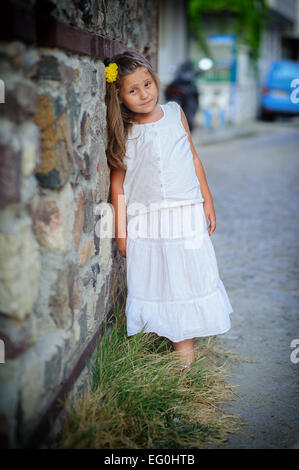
159,187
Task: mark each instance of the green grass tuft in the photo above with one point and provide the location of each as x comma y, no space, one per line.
139,399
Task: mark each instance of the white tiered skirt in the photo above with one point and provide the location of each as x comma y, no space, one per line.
174,288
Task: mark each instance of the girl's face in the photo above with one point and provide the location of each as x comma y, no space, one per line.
139,91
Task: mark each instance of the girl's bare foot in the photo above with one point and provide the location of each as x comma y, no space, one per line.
186,352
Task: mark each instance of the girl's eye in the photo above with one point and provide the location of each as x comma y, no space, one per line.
133,89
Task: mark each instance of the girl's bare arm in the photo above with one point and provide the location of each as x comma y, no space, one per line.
118,202
204,188
205,191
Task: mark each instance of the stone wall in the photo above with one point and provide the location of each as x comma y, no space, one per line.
58,278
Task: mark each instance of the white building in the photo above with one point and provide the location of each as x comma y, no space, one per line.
226,96
281,39
173,36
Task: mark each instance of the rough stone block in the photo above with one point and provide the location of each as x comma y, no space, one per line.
96,271
20,100
66,205
48,225
86,252
83,326
105,253
29,62
78,295
102,170
98,120
85,126
88,212
10,176
26,97
76,331
91,275
58,107
52,366
53,221
29,137
67,74
78,219
56,146
101,80
90,312
59,301
88,276
101,304
48,68
31,391
65,140
72,272
74,106
86,168
17,335
96,233
20,266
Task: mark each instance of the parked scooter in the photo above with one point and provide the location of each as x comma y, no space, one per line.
184,91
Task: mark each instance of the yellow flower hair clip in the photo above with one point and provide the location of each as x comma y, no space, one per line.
111,72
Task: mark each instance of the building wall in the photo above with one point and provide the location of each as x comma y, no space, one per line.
296,28
59,278
226,102
284,23
172,45
241,100
270,49
286,8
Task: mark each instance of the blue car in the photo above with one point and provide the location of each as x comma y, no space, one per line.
280,92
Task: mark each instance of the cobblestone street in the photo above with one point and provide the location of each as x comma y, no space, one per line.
254,183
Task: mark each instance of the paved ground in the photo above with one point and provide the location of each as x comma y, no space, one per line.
254,183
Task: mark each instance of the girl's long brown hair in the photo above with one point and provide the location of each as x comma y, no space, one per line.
119,117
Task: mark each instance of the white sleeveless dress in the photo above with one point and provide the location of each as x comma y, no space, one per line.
174,288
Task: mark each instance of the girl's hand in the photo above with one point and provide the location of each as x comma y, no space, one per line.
122,246
210,215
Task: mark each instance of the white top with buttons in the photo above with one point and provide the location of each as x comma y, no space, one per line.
160,168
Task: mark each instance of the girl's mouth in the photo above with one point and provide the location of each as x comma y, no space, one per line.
148,102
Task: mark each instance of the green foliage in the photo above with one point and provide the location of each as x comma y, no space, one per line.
139,398
251,17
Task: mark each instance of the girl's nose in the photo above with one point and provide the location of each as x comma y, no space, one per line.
144,95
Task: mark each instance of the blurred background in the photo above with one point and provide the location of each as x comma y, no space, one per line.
233,48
